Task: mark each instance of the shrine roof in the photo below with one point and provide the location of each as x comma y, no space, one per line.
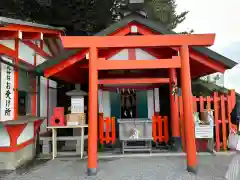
209,87
6,21
154,26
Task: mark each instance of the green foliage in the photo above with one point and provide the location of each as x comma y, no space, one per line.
88,16
28,10
165,12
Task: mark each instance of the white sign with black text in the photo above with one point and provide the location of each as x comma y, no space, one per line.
77,105
7,93
204,131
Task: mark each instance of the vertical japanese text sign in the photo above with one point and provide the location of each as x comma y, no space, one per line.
7,94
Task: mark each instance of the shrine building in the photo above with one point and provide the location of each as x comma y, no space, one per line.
27,98
134,70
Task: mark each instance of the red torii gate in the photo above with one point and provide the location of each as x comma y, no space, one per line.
180,42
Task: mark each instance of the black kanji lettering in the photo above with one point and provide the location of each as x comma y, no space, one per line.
8,93
7,111
8,85
8,102
8,77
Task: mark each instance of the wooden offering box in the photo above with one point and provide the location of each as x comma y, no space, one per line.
75,119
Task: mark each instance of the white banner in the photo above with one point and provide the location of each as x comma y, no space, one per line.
7,93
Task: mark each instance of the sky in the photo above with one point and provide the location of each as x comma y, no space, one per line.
221,17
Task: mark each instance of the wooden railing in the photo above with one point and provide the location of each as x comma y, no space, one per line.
222,105
107,131
160,129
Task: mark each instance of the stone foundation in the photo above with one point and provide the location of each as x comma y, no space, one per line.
12,160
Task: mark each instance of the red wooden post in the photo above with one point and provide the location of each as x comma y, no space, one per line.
107,124
229,110
201,103
113,130
224,130
208,103
166,136
215,102
15,105
194,104
174,111
34,96
154,121
182,123
160,129
92,114
187,110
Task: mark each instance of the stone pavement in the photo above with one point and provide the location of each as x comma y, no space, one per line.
144,168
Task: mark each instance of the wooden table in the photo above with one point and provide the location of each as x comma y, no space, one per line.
54,137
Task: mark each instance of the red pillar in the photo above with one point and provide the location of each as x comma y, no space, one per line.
16,75
187,110
92,112
175,126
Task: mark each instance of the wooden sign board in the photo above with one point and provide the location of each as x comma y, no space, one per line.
7,92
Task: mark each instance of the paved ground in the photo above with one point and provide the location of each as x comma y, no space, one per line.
144,168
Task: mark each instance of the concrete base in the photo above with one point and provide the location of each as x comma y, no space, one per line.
12,160
46,146
177,144
192,169
92,171
78,147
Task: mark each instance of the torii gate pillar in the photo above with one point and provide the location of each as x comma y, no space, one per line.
188,122
175,124
92,112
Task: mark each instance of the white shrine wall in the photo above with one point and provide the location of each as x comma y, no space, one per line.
48,101
26,53
8,43
43,101
52,98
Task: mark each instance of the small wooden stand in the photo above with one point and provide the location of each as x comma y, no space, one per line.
54,137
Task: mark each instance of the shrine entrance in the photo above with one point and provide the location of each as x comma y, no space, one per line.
96,65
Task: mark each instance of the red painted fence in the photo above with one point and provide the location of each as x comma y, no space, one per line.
222,105
109,135
160,129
